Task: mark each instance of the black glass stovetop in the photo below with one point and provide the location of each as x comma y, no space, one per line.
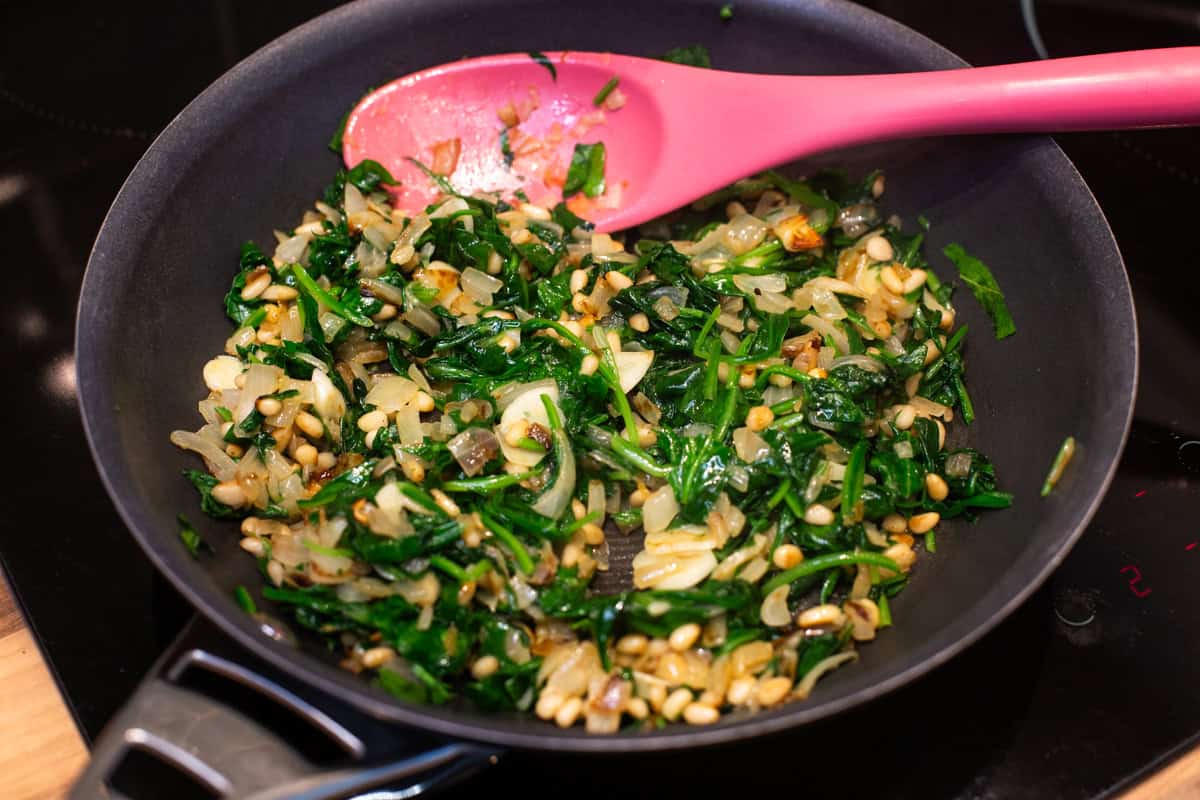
1091,683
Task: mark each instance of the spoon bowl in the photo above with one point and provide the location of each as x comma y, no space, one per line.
673,133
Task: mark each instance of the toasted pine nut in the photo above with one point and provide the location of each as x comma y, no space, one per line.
684,637
279,293
579,279
275,572
827,614
425,402
905,417
256,285
639,322
936,486
568,712
880,249
773,690
376,657
445,503
759,418
589,365
389,311
229,493
310,425
253,546
484,666
593,534
633,644
619,281
306,454
740,690
326,460
700,714
372,420
914,281
894,523
268,406
787,556
548,704
676,702
818,514
923,523
891,281
637,708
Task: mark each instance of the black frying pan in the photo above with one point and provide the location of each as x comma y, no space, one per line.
250,153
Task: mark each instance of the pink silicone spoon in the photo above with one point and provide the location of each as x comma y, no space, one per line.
682,132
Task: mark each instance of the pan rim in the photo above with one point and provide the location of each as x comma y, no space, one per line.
96,415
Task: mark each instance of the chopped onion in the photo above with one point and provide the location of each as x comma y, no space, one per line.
834,285
958,465
479,286
659,509
554,501
739,478
929,408
829,331
729,567
383,290
681,539
743,233
774,610
862,361
329,403
524,407
805,686
857,219
473,449
651,571
217,461
291,251
408,425
825,303
391,393
423,320
749,446
370,253
597,502
751,284
904,449
261,379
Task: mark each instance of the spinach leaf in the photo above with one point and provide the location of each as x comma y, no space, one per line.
695,55
586,173
983,285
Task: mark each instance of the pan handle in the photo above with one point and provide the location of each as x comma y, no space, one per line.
182,726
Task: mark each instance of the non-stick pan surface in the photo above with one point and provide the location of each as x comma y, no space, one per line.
249,154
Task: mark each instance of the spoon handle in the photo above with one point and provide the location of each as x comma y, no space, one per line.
1137,89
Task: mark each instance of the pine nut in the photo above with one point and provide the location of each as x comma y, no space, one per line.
914,281
936,486
425,402
684,637
818,514
568,712
782,381
941,429
675,703
310,425
268,406
773,690
891,281
257,284
932,352
639,322
535,212
234,450
905,417
877,187
372,420
923,523
376,657
880,249
445,503
579,279
275,572
902,554
787,556
894,523
759,418
589,365
633,644
229,493
306,454
326,460
484,666
699,714
656,696
817,616
521,236
386,313
637,708
619,281
280,293
593,534
253,546
740,690
548,704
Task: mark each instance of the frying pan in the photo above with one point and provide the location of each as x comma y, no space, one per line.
249,154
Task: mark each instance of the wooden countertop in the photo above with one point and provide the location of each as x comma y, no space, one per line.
41,750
